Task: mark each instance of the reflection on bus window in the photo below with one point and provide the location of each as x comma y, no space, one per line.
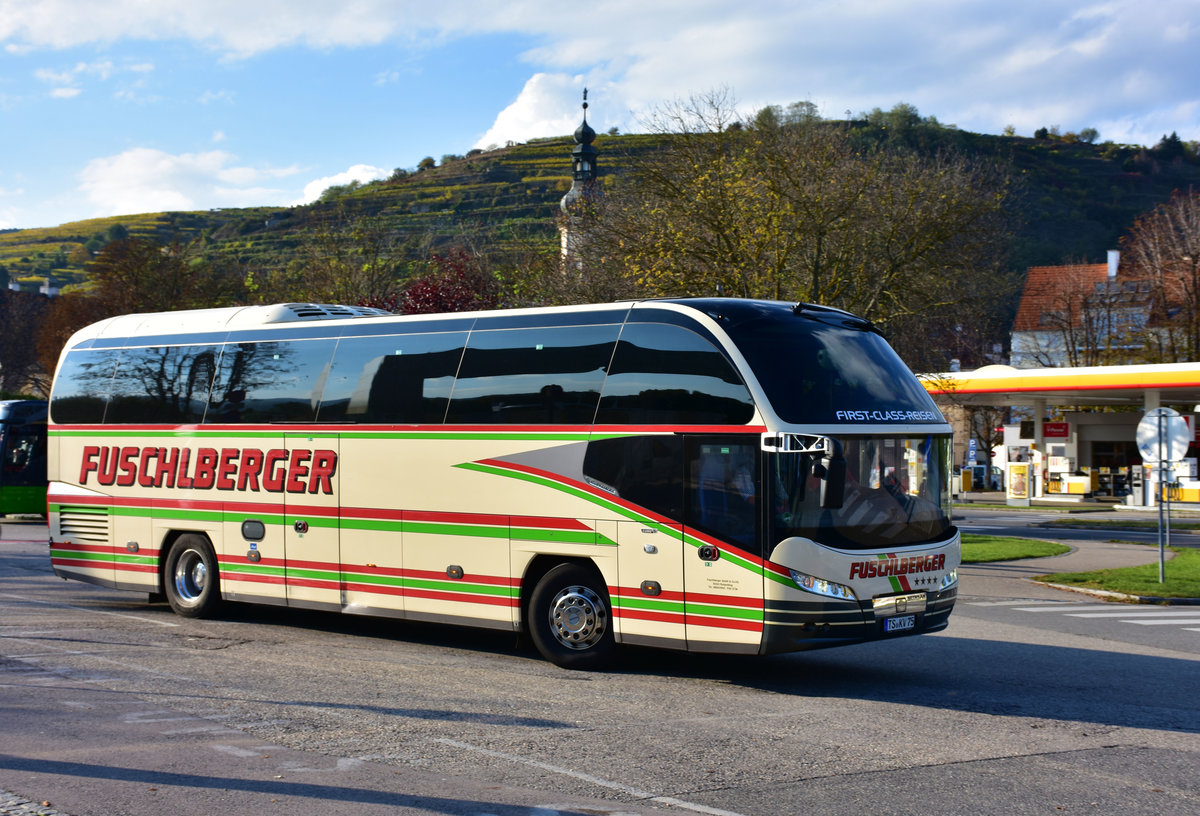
392,378
532,376
722,488
269,381
897,493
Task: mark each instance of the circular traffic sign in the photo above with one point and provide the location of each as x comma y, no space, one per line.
1163,436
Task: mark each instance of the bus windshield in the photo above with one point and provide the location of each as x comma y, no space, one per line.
897,493
818,371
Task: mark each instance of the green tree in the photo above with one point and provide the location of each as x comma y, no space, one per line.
344,258
140,275
806,211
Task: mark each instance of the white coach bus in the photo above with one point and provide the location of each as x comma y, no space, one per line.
709,475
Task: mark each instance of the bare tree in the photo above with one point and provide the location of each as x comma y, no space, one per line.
1164,248
20,314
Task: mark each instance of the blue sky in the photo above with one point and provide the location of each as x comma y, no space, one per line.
128,106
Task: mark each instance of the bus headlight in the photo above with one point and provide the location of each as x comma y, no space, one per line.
948,580
819,586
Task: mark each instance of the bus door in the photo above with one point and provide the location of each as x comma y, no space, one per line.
312,555
645,471
723,595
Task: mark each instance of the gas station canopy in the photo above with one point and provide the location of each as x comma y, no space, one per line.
1136,385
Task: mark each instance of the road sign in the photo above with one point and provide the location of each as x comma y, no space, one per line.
1163,436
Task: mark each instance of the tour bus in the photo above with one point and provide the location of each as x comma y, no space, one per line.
22,457
708,475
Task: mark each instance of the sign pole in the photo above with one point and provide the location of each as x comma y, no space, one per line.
1162,439
1162,498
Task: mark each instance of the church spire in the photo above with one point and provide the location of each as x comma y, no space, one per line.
584,170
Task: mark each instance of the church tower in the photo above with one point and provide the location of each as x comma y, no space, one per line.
584,189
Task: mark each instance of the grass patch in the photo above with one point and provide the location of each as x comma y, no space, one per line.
978,549
1119,524
1182,574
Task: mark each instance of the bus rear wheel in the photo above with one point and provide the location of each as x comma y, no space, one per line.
571,618
190,580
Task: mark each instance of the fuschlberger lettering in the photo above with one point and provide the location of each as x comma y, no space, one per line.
277,470
883,567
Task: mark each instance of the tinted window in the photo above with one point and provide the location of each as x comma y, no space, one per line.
81,388
722,488
394,378
23,455
816,373
165,384
532,376
644,470
667,375
270,382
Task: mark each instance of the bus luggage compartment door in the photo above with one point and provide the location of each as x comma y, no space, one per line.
312,553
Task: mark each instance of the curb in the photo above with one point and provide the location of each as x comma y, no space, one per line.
1121,596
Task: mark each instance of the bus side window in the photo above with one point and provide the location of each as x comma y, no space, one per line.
269,381
644,470
403,378
547,376
25,455
156,384
723,488
82,387
666,375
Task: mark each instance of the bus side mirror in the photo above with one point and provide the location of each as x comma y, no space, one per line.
833,478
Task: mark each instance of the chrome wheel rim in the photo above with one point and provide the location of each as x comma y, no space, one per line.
578,617
191,577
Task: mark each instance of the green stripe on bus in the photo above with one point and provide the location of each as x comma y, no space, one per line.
621,602
633,515
459,587
709,610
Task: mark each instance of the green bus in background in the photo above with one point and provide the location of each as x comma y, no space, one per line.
22,457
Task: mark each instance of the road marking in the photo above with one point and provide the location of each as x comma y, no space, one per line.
87,610
1146,615
1149,613
604,783
1067,607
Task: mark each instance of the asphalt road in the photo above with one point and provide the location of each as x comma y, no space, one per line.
1029,523
113,706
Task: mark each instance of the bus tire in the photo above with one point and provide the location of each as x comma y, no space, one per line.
571,618
190,581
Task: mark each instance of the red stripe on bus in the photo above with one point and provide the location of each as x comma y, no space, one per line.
636,592
309,428
724,600
650,615
251,577
461,597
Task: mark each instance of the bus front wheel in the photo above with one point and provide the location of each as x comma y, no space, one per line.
190,581
571,618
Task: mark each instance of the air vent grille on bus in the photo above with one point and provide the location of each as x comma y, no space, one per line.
326,311
83,524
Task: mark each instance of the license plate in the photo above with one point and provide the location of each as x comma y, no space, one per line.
899,624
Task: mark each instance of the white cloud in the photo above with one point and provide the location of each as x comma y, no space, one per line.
65,93
361,173
548,105
215,96
147,180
